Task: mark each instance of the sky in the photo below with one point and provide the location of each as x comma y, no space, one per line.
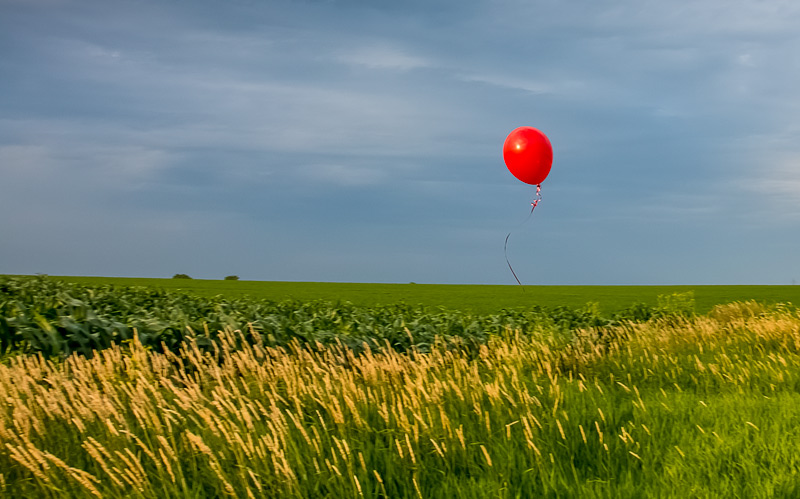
361,141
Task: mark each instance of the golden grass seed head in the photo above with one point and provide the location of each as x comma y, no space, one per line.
561,429
82,477
100,454
35,466
486,455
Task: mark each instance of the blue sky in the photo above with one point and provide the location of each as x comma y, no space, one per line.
361,141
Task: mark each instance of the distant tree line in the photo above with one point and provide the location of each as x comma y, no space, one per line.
186,276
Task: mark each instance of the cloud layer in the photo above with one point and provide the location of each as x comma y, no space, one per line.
352,141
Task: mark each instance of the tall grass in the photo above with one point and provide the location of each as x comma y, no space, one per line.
672,407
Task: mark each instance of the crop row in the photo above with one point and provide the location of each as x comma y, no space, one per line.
55,318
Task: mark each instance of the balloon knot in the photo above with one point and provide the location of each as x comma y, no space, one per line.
538,197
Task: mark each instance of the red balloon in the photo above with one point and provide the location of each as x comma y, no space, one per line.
528,154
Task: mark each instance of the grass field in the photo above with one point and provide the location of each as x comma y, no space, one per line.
300,399
481,299
674,408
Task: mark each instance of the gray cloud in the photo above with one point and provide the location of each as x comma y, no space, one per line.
340,140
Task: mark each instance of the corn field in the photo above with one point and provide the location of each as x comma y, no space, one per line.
57,319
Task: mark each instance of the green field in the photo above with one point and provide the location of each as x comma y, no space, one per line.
133,391
674,407
479,299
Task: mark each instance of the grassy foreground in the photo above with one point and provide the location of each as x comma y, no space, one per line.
672,407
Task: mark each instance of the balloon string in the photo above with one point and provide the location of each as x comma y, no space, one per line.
505,247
